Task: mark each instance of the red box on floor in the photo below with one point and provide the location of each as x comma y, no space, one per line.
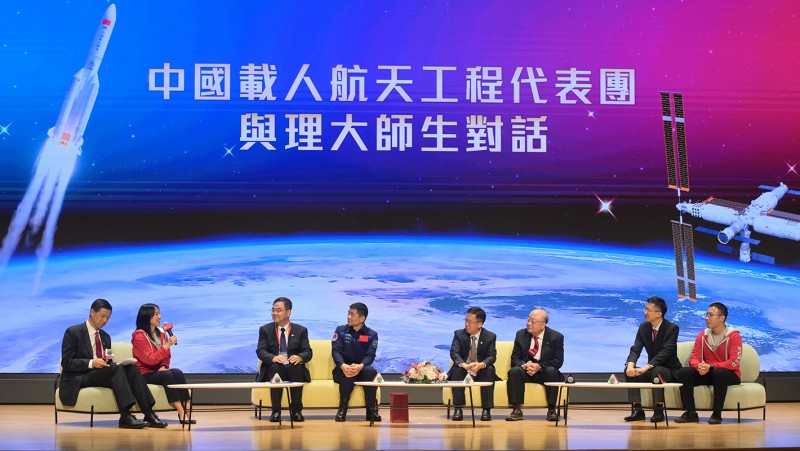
398,408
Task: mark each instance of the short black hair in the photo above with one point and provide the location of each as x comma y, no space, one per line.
478,312
360,308
658,302
100,304
723,311
287,303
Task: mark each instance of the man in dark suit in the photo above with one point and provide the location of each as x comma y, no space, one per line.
283,349
85,363
659,337
473,351
536,358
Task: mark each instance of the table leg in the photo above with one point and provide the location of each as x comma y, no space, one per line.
289,401
566,405
191,407
472,406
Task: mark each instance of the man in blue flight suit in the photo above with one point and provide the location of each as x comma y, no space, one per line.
353,347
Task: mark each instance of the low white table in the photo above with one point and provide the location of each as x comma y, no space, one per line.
605,385
439,385
234,385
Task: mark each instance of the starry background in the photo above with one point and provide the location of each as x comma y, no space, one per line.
155,170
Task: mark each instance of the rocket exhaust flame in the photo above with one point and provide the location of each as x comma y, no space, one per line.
40,207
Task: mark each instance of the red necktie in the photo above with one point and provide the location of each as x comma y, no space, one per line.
98,347
535,347
655,332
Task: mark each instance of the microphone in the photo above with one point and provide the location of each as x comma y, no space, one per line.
168,329
658,380
569,379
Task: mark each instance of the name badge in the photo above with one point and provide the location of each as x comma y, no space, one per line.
363,338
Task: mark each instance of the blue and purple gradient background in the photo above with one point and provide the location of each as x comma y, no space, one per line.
154,171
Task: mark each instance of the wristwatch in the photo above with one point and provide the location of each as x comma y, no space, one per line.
710,367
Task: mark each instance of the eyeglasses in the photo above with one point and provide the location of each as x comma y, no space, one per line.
534,321
278,310
649,310
468,321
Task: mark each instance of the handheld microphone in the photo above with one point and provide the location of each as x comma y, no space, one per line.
658,379
168,329
569,379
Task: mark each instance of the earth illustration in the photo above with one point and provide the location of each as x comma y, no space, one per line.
218,293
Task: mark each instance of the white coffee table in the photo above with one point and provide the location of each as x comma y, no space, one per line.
605,385
234,385
439,385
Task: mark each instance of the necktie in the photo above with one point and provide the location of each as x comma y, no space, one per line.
473,350
535,348
98,347
283,341
655,333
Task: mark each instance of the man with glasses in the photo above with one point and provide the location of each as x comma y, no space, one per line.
659,337
536,358
715,361
284,350
473,351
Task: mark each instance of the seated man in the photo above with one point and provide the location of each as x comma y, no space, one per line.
714,361
536,358
283,349
353,347
83,359
659,337
473,351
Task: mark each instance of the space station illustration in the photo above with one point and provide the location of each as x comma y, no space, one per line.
739,219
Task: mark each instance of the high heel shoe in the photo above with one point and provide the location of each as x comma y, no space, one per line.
187,421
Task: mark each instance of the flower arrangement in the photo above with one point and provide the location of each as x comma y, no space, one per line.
424,373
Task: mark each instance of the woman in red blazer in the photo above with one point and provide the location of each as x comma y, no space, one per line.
151,349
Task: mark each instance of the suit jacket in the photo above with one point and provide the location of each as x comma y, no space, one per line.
269,347
459,349
76,353
552,347
664,352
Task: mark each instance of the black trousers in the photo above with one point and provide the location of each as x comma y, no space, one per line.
635,395
346,385
518,377
487,393
720,378
127,384
288,373
168,377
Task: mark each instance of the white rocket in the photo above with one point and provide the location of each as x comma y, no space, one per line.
78,103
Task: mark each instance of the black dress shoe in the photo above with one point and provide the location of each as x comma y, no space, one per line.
486,415
552,415
636,415
187,421
298,417
130,422
341,414
515,415
458,414
372,414
690,416
715,418
275,417
658,416
154,421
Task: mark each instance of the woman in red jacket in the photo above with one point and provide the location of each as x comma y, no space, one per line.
151,349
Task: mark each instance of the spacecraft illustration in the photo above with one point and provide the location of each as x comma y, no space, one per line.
738,218
41,204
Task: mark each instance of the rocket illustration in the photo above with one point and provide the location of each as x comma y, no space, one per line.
78,104
41,206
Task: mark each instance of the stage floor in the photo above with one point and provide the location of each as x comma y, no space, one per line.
32,428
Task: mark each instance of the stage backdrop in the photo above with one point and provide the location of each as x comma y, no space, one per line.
418,156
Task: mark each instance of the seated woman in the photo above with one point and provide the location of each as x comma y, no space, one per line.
151,349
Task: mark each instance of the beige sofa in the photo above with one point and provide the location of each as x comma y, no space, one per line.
99,400
321,391
750,394
534,393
